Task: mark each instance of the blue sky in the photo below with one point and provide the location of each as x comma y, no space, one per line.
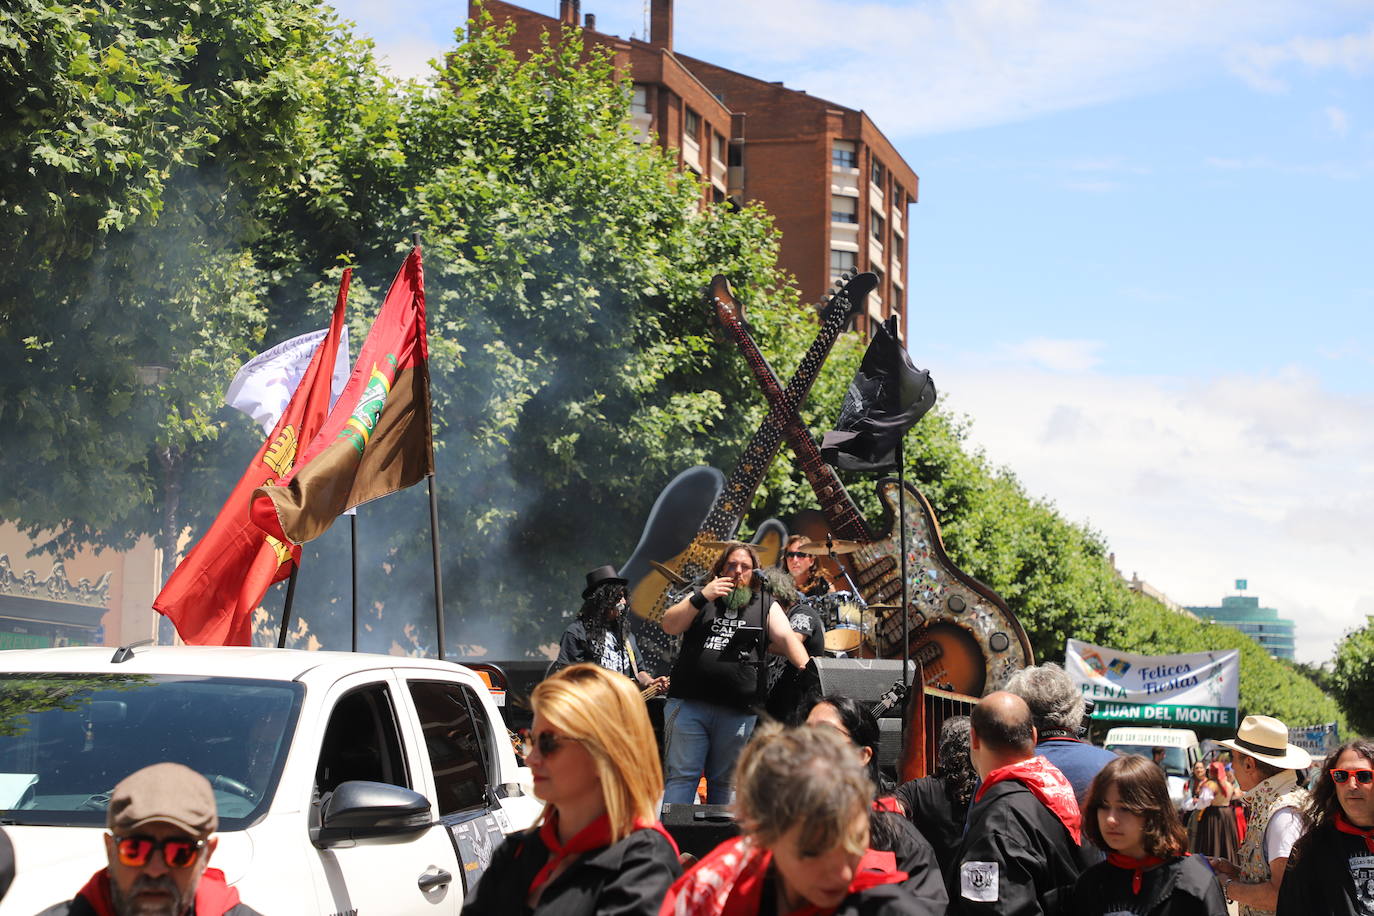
1140,261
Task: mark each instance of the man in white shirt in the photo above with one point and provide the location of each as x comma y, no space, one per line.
1265,765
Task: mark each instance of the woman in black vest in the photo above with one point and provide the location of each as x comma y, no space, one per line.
1331,870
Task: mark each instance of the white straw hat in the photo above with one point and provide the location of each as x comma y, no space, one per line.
1266,738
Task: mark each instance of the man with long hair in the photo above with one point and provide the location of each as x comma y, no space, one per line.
601,634
1331,871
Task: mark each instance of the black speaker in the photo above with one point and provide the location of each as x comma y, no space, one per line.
864,679
699,828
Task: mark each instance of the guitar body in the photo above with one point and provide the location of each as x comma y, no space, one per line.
674,520
962,632
654,593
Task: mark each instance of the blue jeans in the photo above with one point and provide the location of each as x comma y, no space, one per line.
702,737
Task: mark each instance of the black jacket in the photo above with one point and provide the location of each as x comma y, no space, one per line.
894,833
1017,858
629,878
1329,874
1182,886
939,818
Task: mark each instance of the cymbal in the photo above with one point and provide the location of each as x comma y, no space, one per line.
714,545
821,549
669,574
883,607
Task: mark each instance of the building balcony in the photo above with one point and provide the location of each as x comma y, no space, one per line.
844,236
643,124
876,255
875,196
718,174
691,154
844,181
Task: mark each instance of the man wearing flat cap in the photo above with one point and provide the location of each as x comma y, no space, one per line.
161,819
1265,765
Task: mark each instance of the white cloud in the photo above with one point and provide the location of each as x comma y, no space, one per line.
1258,64
1059,355
1195,483
934,66
1338,120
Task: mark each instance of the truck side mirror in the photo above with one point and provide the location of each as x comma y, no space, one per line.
359,809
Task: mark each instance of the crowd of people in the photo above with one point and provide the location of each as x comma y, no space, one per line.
1020,815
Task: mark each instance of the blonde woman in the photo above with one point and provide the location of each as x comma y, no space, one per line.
599,848
803,804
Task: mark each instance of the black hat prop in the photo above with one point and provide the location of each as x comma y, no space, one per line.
599,577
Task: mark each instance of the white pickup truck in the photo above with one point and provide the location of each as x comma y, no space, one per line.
346,783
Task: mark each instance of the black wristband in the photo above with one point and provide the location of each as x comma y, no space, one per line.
698,599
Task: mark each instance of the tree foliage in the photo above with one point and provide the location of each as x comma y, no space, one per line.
1352,676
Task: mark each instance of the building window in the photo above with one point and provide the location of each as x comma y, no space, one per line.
639,102
717,147
876,224
844,154
844,209
877,174
691,125
840,261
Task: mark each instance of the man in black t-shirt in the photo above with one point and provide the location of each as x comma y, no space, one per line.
718,679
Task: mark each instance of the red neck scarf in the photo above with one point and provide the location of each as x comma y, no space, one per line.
1344,826
213,896
593,836
889,804
1047,784
730,881
1135,866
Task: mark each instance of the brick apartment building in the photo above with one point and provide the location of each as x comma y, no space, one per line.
837,189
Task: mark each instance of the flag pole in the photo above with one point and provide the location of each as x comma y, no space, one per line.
434,534
901,527
286,607
353,539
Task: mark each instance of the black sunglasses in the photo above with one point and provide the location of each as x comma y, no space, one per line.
794,555
177,851
1363,777
547,742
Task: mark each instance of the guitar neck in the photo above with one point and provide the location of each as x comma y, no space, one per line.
729,508
842,515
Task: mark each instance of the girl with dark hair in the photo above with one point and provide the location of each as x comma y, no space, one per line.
1212,826
1331,870
888,829
938,804
1148,871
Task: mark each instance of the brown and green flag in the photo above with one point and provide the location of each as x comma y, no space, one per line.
377,439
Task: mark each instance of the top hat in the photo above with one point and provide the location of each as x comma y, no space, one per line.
1266,738
600,576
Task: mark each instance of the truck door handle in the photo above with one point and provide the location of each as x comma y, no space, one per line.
434,877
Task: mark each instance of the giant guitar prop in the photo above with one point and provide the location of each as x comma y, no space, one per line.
665,560
963,634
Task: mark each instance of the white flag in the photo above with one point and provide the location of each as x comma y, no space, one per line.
263,386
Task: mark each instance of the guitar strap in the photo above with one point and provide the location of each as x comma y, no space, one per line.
630,653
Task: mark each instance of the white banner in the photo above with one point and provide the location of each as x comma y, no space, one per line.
1199,688
263,386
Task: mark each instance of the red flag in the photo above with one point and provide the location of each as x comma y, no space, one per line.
377,439
213,592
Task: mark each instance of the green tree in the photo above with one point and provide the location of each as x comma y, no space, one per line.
1352,677
135,140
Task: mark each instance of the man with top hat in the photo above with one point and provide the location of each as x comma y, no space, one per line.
601,634
1265,765
161,820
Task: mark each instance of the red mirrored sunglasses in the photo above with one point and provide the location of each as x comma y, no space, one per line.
1363,777
177,852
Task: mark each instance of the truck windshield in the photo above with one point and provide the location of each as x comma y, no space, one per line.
67,739
1175,761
